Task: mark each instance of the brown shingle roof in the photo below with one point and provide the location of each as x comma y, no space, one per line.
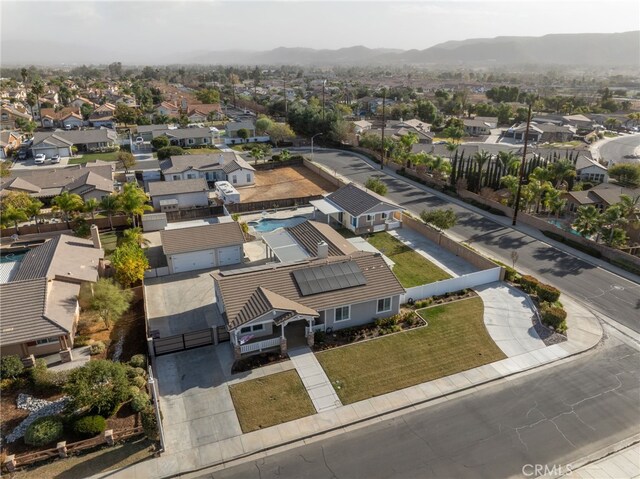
262,301
237,288
199,238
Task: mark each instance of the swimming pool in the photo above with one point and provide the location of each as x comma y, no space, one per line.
12,257
563,226
270,224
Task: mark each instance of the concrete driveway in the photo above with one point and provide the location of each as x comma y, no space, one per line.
179,303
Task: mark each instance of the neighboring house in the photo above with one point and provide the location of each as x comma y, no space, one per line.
601,196
580,122
187,137
280,304
39,308
59,119
88,181
9,142
79,101
223,166
475,127
362,126
541,132
9,115
103,116
232,129
60,142
181,194
359,210
146,131
167,109
200,113
203,247
590,170
415,124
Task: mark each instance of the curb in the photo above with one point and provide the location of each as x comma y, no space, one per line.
378,416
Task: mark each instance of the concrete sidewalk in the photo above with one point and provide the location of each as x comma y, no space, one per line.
624,464
584,333
321,392
508,313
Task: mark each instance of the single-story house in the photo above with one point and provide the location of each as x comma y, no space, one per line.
79,101
581,122
88,181
590,170
223,166
475,127
180,194
9,114
146,131
359,210
39,308
203,247
601,196
281,305
60,142
542,132
9,142
233,127
187,137
202,112
362,126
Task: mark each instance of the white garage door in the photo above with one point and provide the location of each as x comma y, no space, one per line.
192,261
49,152
228,255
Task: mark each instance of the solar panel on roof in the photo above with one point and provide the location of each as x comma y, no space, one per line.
330,277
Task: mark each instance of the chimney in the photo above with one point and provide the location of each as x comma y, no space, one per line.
95,237
323,249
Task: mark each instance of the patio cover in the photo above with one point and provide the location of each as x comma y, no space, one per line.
325,206
284,246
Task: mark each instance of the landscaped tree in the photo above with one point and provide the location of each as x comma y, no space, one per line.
263,124
613,219
125,114
285,155
110,301
588,220
243,134
376,185
160,142
37,89
508,161
126,160
90,206
630,209
134,236
33,209
510,182
208,95
554,202
110,205
133,201
169,151
130,263
481,158
257,154
279,132
100,386
440,219
10,215
626,174
68,203
561,171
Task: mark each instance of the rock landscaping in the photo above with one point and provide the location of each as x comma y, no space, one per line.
38,408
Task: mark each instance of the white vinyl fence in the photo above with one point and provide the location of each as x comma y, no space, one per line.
452,285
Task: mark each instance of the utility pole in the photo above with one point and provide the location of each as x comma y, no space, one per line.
524,159
384,121
286,105
324,82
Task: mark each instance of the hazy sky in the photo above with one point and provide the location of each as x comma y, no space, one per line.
133,31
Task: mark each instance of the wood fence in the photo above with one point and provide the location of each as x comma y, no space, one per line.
271,204
103,223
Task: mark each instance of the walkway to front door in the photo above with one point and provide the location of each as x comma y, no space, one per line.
313,377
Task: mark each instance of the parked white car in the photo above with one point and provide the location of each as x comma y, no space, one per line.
55,159
40,159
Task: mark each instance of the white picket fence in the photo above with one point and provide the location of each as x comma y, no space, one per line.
260,345
452,285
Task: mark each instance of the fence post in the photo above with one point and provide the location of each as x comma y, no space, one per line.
152,351
10,463
108,437
153,387
62,449
214,332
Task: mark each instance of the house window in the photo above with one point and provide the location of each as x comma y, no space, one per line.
249,329
176,177
205,141
234,179
384,305
191,176
354,221
40,342
343,313
369,218
384,216
248,177
190,141
258,327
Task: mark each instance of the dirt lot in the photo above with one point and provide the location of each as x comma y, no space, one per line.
288,182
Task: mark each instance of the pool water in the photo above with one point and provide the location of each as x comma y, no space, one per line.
563,226
270,224
12,257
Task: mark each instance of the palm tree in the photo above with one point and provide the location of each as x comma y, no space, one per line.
33,211
38,89
133,201
481,158
613,219
111,206
510,182
451,146
588,220
90,206
257,154
553,202
561,171
134,236
630,208
67,203
507,159
439,166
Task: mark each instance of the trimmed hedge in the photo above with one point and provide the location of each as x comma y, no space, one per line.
140,401
528,283
44,430
555,317
138,361
149,423
547,293
90,426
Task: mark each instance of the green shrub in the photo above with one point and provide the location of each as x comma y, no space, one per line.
138,361
149,423
547,293
140,401
97,348
319,337
90,426
45,381
11,367
384,323
423,303
44,430
80,341
139,382
553,316
100,385
529,283
136,372
510,274
169,151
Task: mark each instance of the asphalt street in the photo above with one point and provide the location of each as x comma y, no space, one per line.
551,417
615,150
605,292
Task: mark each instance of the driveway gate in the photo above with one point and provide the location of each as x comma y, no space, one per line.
182,342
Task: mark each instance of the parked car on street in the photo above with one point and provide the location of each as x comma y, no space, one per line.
40,159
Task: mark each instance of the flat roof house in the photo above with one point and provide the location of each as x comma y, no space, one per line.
203,247
179,194
359,210
223,166
282,306
39,308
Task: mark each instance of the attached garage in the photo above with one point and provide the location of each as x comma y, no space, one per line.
203,247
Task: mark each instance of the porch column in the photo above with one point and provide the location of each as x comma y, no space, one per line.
282,329
283,341
311,335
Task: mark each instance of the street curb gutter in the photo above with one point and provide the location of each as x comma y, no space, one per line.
390,414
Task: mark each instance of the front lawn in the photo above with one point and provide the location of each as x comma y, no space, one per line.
411,268
270,400
454,340
87,157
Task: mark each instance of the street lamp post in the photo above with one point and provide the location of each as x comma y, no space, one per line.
317,134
